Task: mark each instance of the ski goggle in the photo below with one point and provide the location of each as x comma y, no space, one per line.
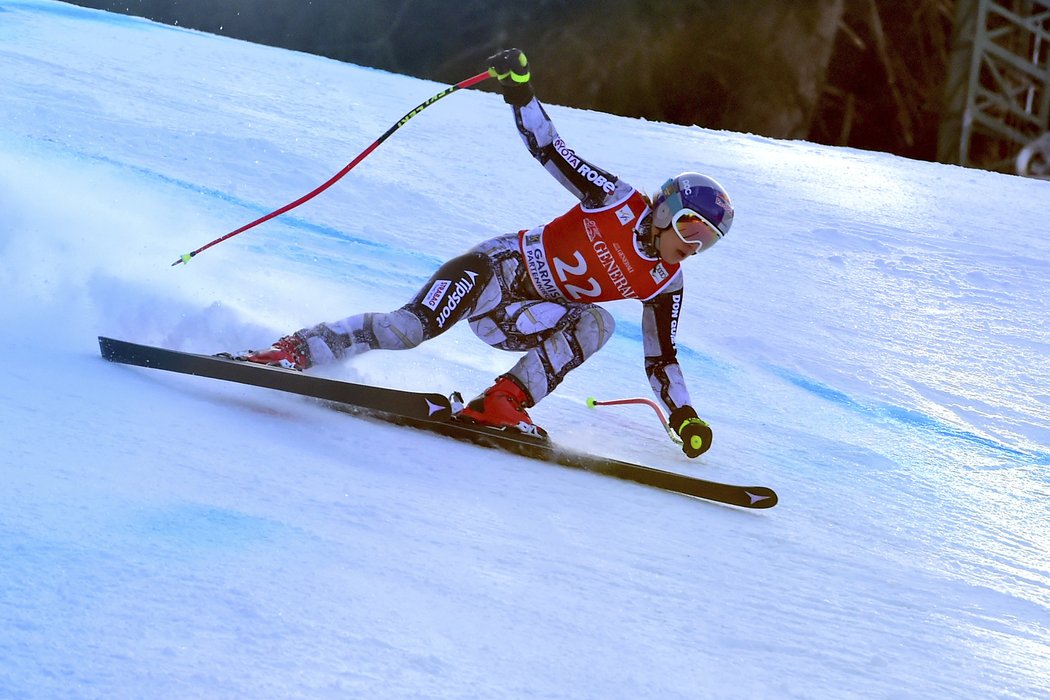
693,228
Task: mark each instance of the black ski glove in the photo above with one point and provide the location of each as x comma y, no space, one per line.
511,68
695,433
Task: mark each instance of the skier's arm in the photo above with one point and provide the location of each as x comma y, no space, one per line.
588,183
659,323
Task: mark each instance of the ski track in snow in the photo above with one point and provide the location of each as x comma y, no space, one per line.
872,340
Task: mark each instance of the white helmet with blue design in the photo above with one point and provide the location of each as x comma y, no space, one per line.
696,207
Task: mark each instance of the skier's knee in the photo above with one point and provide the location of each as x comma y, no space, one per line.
397,330
594,328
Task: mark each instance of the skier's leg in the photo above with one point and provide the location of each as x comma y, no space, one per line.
583,331
448,296
558,337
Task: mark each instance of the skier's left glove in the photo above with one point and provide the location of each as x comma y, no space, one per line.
695,433
511,68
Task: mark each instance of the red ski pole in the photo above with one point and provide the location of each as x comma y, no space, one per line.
592,403
349,166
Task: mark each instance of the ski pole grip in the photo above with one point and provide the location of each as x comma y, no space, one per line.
694,432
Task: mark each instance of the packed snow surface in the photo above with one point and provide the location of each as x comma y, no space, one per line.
872,340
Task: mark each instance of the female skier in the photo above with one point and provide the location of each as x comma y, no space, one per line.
536,290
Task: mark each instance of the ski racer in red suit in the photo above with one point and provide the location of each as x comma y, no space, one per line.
536,291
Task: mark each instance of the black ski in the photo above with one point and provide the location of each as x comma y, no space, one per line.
542,449
430,412
374,398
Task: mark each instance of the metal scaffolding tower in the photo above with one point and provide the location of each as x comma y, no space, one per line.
998,88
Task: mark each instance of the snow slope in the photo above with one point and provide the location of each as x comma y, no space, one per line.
872,340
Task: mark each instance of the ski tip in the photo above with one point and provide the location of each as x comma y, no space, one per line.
760,497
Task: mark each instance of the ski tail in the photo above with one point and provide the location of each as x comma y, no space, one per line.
421,405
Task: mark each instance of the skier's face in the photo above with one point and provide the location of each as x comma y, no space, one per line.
673,249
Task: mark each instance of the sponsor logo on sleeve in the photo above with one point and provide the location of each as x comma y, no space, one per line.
597,178
583,168
567,153
676,310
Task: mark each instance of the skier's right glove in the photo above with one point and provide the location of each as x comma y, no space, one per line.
696,434
511,69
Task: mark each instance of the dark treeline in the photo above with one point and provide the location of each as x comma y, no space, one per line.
817,69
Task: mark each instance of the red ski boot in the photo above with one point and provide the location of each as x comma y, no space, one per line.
502,406
289,352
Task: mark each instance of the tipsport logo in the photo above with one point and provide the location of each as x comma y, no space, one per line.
463,287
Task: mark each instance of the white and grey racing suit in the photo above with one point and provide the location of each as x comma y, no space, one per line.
490,287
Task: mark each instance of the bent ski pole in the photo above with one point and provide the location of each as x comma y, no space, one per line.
592,403
349,166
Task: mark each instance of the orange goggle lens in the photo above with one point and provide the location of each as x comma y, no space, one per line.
693,228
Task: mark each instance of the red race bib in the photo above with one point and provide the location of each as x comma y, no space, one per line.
590,255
